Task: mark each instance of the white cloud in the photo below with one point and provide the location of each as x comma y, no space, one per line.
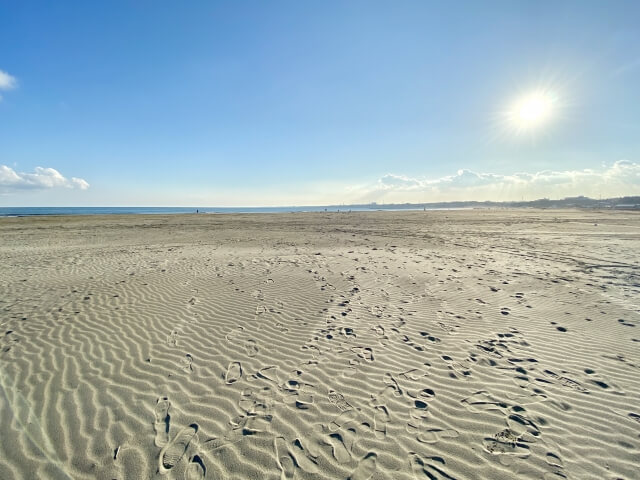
41,178
7,82
621,178
399,181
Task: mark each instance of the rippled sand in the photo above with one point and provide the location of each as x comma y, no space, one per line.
382,345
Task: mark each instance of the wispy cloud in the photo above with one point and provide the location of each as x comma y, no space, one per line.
7,82
621,178
41,178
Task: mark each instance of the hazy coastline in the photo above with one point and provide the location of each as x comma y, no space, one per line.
618,203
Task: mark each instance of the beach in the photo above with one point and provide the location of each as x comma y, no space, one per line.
471,344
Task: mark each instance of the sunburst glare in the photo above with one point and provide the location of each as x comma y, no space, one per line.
532,111
530,114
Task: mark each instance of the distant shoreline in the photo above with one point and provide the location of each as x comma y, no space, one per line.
621,203
379,210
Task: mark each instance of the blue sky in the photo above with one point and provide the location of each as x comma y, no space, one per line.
283,103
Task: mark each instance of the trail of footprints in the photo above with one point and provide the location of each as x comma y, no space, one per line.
358,333
174,448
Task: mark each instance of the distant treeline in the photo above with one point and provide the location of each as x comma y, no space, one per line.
569,202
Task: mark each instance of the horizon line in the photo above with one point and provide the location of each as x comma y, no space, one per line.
376,204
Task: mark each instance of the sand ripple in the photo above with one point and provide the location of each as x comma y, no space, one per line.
440,345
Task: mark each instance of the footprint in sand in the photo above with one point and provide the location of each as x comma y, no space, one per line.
287,467
338,447
457,370
251,347
381,418
214,444
426,394
173,451
448,327
429,467
196,469
346,420
482,401
566,381
431,338
392,387
234,373
257,294
285,461
257,405
341,442
366,467
234,334
553,460
172,338
420,410
187,363
434,435
256,397
161,423
383,339
506,442
338,400
304,401
268,373
522,427
365,353
298,453
281,327
413,374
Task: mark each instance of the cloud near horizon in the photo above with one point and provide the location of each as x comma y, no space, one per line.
621,178
41,178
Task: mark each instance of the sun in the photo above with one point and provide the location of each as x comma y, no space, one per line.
531,111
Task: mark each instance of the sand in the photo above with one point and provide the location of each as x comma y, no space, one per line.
383,345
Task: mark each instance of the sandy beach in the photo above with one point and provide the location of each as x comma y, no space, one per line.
476,344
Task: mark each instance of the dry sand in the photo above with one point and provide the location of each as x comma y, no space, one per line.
383,345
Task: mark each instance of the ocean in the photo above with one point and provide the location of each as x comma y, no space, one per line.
30,211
